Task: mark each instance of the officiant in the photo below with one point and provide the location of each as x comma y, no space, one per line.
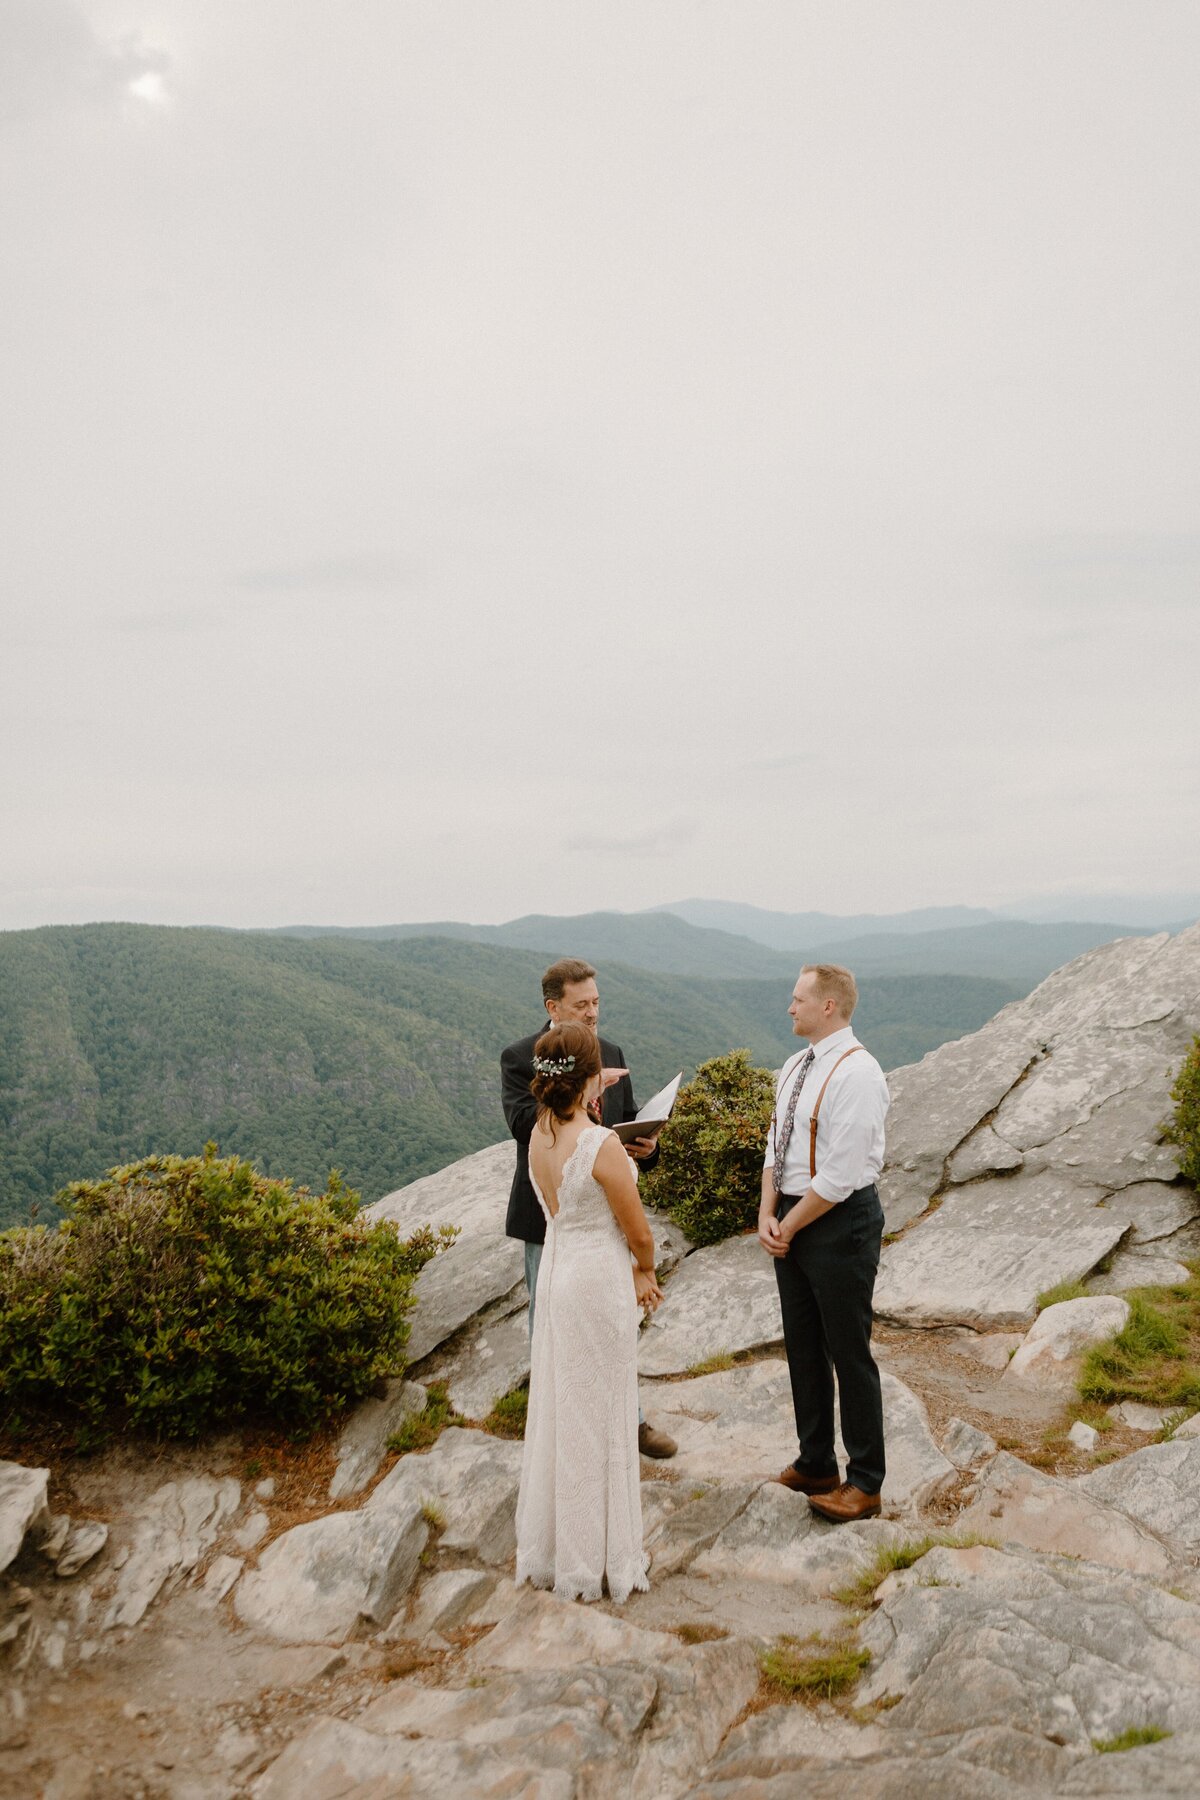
569,991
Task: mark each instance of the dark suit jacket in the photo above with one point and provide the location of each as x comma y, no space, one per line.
525,1217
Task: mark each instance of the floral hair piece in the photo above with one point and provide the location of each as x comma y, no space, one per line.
546,1065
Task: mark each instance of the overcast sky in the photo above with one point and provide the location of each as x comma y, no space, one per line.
466,459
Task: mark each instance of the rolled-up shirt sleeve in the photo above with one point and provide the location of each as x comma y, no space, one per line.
850,1149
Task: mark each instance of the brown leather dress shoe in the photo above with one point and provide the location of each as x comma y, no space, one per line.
846,1504
806,1484
655,1443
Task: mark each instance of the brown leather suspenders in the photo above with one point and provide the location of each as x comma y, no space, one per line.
812,1123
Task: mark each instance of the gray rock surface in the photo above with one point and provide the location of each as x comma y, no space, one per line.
446,1600
1158,1486
722,1299
1049,1352
1159,1210
316,1582
1048,1647
177,1525
777,1537
338,1759
472,1194
1070,1081
363,1443
471,1480
1137,1417
477,1269
84,1541
542,1631
992,1247
739,1425
1137,1268
487,1359
966,1445
22,1505
1019,1505
482,1265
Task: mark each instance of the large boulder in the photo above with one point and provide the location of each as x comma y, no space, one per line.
1048,1354
470,1482
319,1580
482,1265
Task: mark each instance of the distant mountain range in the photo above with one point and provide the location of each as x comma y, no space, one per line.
376,1054
935,941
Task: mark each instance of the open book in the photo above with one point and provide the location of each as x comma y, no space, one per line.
653,1115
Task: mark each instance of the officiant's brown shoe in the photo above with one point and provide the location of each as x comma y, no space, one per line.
800,1483
846,1504
655,1443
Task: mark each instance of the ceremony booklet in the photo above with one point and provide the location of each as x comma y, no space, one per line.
653,1115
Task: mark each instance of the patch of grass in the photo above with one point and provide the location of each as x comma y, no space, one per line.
1171,1424
1065,1290
712,1365
420,1430
1156,1357
697,1493
815,1670
253,1468
857,1594
507,1417
1132,1739
699,1634
433,1515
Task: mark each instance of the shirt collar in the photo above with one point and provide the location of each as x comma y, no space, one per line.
837,1040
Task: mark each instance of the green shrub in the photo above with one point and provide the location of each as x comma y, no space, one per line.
710,1175
185,1293
1184,1129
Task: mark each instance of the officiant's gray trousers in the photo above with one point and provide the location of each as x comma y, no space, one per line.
826,1283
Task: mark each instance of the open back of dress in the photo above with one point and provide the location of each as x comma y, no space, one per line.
579,1513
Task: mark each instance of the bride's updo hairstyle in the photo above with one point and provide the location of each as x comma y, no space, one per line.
564,1061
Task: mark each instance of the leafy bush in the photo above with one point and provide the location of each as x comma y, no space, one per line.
710,1175
184,1293
1184,1129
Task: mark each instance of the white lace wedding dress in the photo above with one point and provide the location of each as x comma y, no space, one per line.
579,1512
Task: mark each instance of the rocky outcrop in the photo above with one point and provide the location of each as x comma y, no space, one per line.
319,1580
381,1648
1069,1079
177,1525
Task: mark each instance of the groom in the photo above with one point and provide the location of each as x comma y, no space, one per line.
821,1222
569,991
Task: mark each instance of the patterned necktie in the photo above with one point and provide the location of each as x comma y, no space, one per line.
784,1134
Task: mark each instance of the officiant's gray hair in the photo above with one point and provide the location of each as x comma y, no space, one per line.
567,972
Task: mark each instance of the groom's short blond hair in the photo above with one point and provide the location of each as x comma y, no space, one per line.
836,984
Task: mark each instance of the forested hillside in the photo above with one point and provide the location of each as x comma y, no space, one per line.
378,1058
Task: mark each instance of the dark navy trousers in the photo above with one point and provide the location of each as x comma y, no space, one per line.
826,1284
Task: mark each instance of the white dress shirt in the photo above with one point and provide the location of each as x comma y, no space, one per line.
849,1125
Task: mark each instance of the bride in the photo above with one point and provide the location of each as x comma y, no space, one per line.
579,1511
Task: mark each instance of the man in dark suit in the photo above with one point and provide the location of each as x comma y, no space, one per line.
569,991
